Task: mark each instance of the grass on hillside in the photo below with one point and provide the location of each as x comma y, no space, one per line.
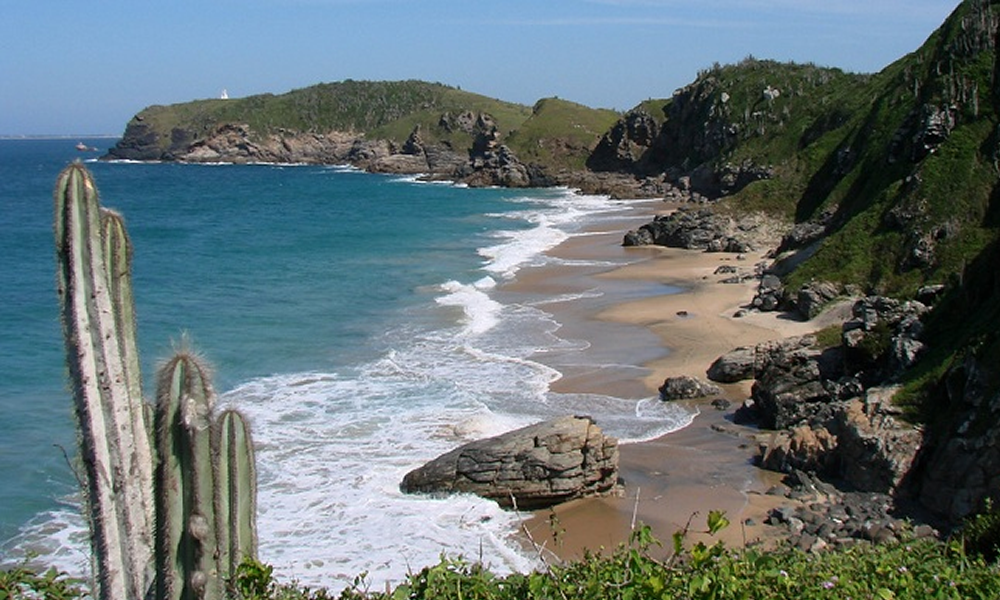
560,134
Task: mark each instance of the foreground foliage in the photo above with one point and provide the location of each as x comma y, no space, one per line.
915,569
22,582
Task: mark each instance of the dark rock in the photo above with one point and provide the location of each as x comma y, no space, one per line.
693,229
789,389
814,296
803,234
747,413
929,294
536,466
770,293
139,142
736,365
687,388
721,404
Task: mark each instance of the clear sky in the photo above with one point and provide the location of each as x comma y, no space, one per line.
87,67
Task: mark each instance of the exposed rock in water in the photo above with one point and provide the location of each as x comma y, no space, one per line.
535,467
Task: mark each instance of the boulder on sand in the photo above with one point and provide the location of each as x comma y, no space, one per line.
535,467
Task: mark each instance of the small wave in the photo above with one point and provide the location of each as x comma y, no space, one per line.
482,313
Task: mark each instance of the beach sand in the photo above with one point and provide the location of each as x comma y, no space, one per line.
706,466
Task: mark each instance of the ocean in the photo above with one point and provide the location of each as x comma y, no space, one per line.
360,321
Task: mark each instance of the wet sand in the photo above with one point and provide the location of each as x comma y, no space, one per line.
649,313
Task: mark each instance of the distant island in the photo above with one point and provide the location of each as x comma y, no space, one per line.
885,187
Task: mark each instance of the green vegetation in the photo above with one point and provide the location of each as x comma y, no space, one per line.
560,134
23,582
910,569
380,109
981,533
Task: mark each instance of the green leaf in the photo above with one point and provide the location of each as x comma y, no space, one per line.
717,521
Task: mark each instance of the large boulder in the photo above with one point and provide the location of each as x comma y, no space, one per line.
746,362
685,387
694,230
535,467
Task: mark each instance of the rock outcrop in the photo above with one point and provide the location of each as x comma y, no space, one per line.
533,467
685,387
746,362
960,468
703,229
828,406
486,163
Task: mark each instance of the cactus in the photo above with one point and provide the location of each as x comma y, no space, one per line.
195,520
119,483
237,491
187,541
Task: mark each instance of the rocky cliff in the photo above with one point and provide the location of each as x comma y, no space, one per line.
889,185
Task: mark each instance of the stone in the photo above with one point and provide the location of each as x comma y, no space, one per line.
735,365
802,447
814,296
877,450
721,404
534,467
686,388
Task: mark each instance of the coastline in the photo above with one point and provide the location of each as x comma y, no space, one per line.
675,479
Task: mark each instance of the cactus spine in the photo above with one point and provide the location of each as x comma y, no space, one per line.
203,521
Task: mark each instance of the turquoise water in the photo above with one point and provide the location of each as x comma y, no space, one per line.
356,320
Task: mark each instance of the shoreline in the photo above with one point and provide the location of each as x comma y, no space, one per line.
677,317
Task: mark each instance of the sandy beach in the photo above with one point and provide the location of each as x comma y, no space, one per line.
680,477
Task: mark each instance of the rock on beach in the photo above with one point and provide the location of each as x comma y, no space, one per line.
534,467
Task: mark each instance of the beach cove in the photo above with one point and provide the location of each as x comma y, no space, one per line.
671,482
344,397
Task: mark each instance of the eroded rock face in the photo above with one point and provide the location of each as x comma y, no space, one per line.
877,450
961,468
535,467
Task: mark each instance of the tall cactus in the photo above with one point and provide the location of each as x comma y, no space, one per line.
202,521
114,440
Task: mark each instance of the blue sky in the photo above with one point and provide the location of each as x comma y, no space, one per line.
87,67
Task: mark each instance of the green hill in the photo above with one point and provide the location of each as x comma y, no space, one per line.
560,134
553,133
903,162
389,109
